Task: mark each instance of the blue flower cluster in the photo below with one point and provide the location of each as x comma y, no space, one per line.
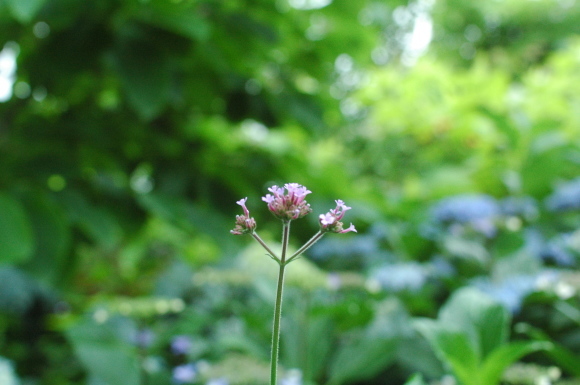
465,208
558,251
401,277
478,211
566,197
184,374
181,345
510,292
522,207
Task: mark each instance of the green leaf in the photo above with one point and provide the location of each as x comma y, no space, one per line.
504,356
565,358
145,75
362,359
176,18
503,124
484,321
16,236
307,343
453,347
95,222
103,353
191,217
416,354
416,379
24,10
51,229
562,356
470,327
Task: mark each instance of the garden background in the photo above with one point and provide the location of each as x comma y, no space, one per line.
129,129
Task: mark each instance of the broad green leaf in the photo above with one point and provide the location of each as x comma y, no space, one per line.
24,10
503,124
479,317
467,249
565,358
504,356
416,379
52,233
362,359
191,217
146,77
96,222
365,356
16,235
453,347
307,343
416,354
104,353
176,18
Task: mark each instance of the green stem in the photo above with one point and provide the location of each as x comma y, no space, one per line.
306,246
278,306
261,242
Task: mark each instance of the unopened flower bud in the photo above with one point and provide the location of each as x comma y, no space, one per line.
244,223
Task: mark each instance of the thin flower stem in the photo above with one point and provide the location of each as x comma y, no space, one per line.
261,242
306,246
278,306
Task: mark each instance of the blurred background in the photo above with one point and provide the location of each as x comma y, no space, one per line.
129,129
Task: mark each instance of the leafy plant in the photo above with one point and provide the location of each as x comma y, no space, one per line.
287,207
471,336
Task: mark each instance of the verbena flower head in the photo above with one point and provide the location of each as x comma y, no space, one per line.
288,206
330,222
244,223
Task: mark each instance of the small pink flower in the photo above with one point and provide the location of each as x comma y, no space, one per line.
327,219
242,202
288,206
244,223
350,228
330,222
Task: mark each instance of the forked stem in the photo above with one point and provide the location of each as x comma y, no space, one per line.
278,305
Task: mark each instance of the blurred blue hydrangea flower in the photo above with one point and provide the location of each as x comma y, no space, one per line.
143,338
478,211
184,374
510,292
439,267
341,247
401,276
181,345
566,197
556,251
522,207
465,208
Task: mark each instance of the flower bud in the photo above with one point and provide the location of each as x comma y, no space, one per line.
244,223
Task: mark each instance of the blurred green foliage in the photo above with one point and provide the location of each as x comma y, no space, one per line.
129,128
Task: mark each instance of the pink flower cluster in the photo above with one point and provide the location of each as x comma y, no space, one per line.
330,222
288,206
288,203
244,223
